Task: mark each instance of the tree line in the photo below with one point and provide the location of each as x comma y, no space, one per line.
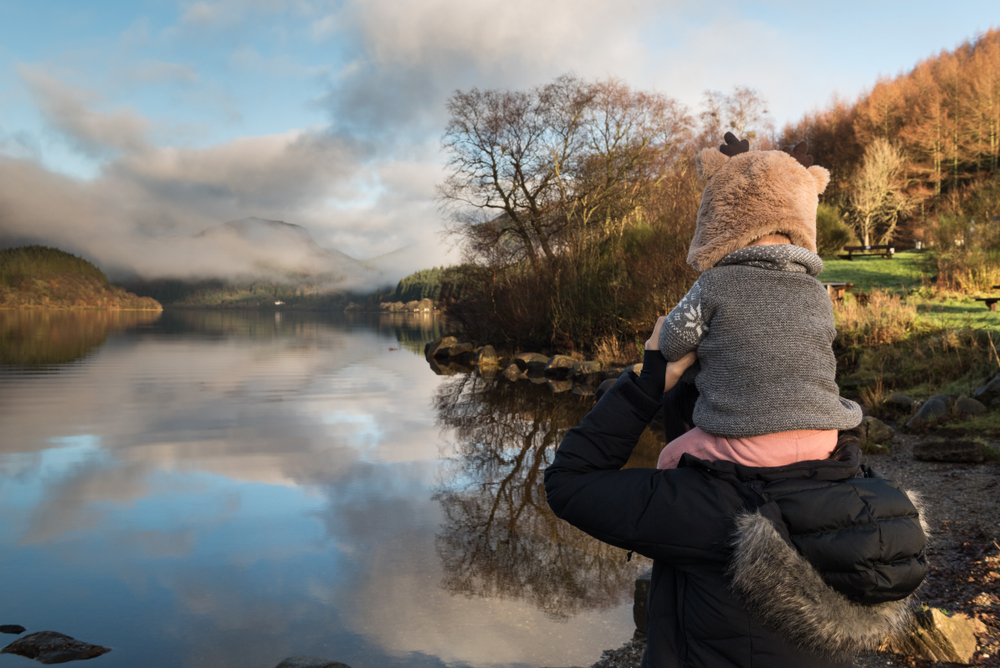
574,201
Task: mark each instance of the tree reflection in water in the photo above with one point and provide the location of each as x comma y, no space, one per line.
499,538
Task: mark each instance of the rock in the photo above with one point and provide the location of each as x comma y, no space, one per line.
875,432
938,636
639,600
558,386
611,373
310,662
531,361
485,356
537,380
950,451
439,346
12,628
51,647
585,368
930,412
559,366
902,403
487,372
968,406
457,350
582,390
988,392
513,373
441,368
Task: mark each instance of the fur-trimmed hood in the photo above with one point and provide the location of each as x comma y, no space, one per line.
751,194
845,582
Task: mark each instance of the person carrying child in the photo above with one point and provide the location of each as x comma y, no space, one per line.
804,560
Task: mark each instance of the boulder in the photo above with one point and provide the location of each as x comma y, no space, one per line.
968,406
537,379
512,372
585,368
930,412
558,386
531,362
442,368
457,350
310,662
487,372
937,635
902,403
875,432
439,346
642,584
559,366
987,393
485,356
969,452
51,647
15,629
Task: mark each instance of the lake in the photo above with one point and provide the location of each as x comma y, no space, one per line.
199,488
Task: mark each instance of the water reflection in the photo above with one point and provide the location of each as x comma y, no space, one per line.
232,488
37,337
500,540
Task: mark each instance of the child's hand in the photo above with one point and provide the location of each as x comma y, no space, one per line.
676,369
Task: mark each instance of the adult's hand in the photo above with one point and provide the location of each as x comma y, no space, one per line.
659,376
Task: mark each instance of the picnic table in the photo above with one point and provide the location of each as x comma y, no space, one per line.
991,302
837,290
884,251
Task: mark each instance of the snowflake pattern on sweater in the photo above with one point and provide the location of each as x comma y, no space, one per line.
685,327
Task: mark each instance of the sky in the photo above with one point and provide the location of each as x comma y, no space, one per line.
124,124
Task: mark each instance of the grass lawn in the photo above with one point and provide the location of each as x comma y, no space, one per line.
900,274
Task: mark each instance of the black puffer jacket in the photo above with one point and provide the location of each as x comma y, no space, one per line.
800,565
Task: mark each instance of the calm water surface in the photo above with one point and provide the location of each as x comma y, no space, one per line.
229,489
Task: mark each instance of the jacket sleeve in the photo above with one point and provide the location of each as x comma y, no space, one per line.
687,324
677,514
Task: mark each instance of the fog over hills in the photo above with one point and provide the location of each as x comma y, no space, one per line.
239,251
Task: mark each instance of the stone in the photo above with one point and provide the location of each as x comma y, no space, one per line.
487,372
531,361
558,386
969,452
968,406
16,629
938,636
536,379
583,390
442,368
902,403
987,393
439,346
930,412
51,647
875,431
310,662
585,368
559,366
485,356
513,373
639,599
457,350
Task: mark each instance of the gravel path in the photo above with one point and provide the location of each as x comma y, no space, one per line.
963,511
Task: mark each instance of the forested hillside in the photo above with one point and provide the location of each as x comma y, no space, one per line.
574,201
38,276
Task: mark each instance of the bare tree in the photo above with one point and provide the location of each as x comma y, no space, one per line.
878,196
529,170
743,112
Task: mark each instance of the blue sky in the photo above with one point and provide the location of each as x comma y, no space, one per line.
124,121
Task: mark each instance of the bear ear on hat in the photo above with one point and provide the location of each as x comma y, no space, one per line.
821,175
709,161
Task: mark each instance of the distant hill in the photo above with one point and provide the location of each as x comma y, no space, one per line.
254,262
38,276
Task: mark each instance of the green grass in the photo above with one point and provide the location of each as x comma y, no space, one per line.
959,313
900,274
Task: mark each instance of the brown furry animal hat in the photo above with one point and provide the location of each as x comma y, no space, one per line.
751,194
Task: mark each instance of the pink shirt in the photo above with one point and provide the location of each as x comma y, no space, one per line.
786,447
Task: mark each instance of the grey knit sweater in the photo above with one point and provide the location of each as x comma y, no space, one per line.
763,328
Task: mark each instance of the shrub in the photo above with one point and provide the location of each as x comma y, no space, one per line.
885,318
832,233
